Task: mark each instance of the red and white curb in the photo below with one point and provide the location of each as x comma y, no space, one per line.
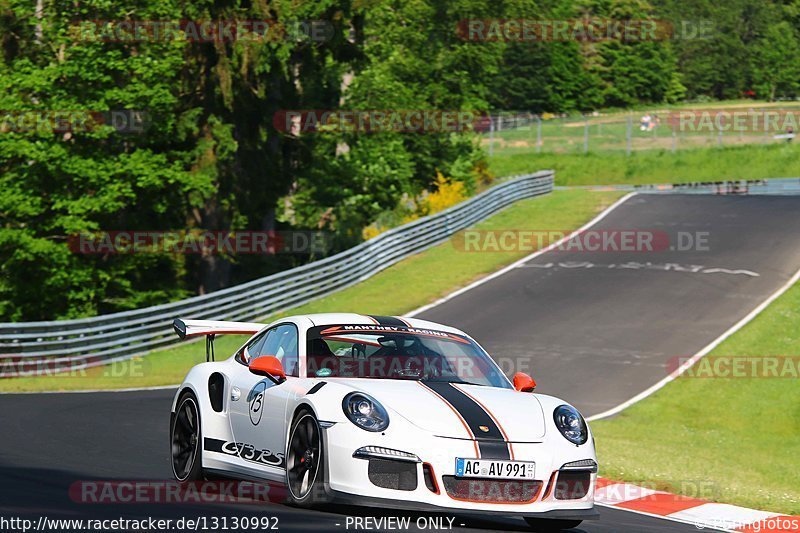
699,513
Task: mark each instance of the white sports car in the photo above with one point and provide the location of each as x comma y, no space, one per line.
385,411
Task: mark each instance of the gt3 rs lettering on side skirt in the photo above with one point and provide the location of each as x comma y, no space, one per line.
386,411
248,452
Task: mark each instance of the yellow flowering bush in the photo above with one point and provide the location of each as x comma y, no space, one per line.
447,193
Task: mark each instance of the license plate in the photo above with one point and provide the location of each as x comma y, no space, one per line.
489,468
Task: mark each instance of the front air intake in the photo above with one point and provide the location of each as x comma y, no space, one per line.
572,485
491,490
430,478
396,475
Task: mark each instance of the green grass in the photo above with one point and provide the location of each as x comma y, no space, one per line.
658,166
432,274
736,439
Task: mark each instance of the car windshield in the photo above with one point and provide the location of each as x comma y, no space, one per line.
393,352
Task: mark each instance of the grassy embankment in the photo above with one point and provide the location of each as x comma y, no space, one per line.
657,166
733,440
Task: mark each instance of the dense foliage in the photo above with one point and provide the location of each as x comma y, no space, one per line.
204,151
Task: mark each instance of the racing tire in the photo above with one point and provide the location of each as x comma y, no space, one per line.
547,525
185,438
305,462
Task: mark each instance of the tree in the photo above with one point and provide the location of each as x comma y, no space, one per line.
60,182
412,60
776,62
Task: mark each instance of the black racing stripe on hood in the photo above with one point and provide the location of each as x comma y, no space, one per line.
494,449
387,320
491,443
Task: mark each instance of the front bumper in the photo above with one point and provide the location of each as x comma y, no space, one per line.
349,482
344,498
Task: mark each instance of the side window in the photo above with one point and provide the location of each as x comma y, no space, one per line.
281,342
253,347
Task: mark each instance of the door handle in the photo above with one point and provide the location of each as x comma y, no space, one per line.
235,394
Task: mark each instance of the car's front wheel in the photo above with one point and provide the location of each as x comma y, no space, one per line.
305,461
547,525
185,440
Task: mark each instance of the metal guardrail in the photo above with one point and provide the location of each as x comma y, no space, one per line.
74,344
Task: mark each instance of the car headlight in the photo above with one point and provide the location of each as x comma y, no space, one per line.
571,424
364,411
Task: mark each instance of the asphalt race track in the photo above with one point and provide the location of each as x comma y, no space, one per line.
595,328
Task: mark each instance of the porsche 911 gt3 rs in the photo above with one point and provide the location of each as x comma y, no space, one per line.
387,411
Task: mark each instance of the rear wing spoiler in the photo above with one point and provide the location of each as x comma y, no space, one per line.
194,328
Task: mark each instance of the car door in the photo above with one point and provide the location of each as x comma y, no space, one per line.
258,409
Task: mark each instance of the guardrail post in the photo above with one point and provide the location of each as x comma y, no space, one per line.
491,135
538,134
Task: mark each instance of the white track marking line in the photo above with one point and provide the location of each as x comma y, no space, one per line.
755,312
711,516
651,515
516,264
699,355
723,516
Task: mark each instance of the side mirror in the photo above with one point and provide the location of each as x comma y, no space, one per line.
523,382
269,366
